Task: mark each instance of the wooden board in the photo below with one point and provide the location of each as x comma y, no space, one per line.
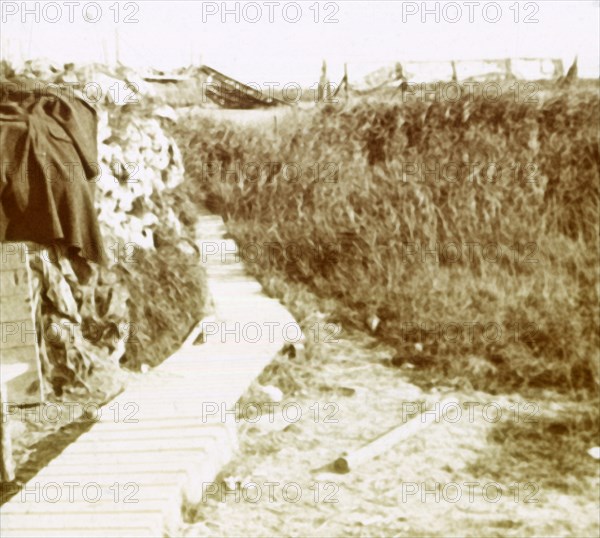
18,343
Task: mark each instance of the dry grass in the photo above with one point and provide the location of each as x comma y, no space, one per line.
167,298
375,212
350,378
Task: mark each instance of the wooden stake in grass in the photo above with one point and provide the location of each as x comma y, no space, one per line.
350,460
198,330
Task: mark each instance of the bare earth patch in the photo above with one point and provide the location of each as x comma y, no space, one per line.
432,484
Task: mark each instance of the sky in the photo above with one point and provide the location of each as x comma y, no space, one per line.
288,41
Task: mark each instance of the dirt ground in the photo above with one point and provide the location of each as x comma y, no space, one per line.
41,432
440,482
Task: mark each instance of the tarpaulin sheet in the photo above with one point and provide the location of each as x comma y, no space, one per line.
49,166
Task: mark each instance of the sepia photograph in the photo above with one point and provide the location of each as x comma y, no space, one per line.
299,269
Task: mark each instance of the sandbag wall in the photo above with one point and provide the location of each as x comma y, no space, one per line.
82,307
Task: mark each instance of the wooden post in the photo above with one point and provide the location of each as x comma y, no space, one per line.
7,465
454,73
508,64
350,460
346,81
19,343
322,83
117,47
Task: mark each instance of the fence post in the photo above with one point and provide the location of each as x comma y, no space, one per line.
345,81
508,65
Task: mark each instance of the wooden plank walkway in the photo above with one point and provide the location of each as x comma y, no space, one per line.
156,444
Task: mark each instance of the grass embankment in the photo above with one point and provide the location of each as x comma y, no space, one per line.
167,286
463,234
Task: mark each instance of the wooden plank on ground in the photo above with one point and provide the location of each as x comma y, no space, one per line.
18,343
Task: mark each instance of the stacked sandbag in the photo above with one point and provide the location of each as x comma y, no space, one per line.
138,161
81,313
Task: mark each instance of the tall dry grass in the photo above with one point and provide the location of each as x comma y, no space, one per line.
357,223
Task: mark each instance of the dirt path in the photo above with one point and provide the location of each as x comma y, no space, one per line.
358,397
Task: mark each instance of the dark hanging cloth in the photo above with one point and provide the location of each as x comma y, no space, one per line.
48,169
